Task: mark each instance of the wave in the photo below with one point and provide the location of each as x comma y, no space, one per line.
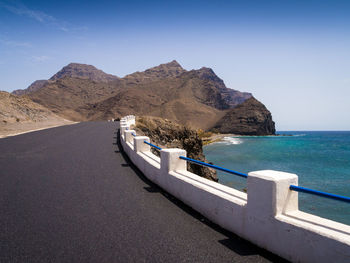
231,140
299,135
282,135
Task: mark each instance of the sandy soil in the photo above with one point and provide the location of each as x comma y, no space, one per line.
12,129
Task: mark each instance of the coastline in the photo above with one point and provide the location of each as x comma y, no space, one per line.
219,137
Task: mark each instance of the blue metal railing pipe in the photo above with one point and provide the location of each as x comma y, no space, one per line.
319,193
152,145
133,134
214,166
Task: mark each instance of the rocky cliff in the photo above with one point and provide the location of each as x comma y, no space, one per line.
168,134
249,118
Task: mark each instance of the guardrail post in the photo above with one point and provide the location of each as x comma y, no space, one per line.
132,120
123,129
139,145
269,194
170,160
128,135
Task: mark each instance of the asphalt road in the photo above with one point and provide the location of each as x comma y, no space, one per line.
69,194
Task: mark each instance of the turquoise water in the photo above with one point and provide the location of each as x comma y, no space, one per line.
320,159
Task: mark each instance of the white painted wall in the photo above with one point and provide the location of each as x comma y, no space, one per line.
267,215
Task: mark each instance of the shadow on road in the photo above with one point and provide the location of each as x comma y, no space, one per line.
151,189
232,242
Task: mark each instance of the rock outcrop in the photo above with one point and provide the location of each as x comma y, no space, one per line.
168,134
249,118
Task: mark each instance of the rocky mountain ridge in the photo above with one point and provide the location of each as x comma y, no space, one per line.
196,98
171,69
83,71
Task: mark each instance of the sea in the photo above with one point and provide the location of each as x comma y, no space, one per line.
321,159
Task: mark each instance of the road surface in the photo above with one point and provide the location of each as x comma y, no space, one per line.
69,194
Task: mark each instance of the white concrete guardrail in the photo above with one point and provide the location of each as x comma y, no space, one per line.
267,215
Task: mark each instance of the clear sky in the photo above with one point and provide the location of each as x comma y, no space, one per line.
294,56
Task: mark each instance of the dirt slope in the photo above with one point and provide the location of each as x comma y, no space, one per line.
19,114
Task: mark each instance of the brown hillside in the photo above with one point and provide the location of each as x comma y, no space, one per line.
22,109
65,96
196,98
20,114
186,99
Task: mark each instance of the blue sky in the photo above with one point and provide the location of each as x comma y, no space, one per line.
294,56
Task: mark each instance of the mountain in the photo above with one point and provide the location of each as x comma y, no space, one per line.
72,70
249,118
193,98
196,98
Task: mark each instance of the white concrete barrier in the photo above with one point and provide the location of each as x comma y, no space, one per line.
267,215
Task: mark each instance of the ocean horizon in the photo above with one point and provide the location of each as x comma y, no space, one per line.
321,159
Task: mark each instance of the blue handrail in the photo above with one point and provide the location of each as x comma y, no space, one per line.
319,193
152,145
133,134
214,166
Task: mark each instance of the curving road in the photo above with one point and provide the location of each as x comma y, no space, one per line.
69,194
